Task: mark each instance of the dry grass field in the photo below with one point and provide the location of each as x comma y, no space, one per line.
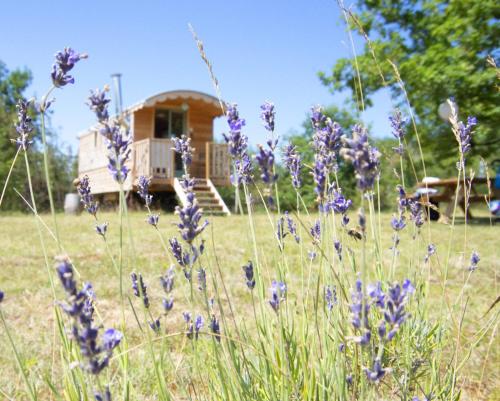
28,304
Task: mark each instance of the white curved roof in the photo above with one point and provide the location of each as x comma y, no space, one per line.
176,94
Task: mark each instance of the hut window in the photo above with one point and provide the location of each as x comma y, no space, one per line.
169,123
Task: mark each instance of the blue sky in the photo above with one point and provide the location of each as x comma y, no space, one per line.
261,50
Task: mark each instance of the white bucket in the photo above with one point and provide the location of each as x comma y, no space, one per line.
71,203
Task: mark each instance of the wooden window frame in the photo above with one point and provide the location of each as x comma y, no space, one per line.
185,130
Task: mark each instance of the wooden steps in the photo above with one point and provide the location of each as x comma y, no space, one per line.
207,195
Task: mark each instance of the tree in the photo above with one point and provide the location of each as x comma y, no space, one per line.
13,84
440,49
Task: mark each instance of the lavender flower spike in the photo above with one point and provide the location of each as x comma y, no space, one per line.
293,163
249,274
268,114
117,137
364,158
265,159
465,132
86,198
96,354
101,229
237,141
143,190
398,129
182,146
98,103
140,288
190,216
65,61
474,260
278,294
24,126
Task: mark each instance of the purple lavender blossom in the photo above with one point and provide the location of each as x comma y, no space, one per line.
111,339
375,292
330,297
79,307
176,248
65,61
242,170
86,197
249,274
416,212
398,129
403,200
153,219
360,308
311,255
431,250
117,142
101,229
2,295
190,216
143,190
280,232
465,132
167,280
338,248
238,144
474,260
183,147
155,325
98,103
336,201
293,163
267,116
168,304
394,309
202,279
140,288
265,160
215,327
278,294
376,373
398,223
315,232
326,138
319,174
364,158
292,227
237,141
193,327
117,138
103,397
24,126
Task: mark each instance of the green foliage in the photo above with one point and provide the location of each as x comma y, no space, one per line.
13,84
440,50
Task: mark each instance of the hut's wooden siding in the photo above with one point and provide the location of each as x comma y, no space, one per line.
144,123
93,162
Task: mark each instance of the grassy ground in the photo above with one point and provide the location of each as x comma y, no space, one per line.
29,300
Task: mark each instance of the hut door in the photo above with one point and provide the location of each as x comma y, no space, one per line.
177,130
170,124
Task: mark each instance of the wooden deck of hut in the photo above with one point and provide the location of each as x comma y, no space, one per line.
154,123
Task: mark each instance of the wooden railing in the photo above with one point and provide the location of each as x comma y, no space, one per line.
154,157
217,163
